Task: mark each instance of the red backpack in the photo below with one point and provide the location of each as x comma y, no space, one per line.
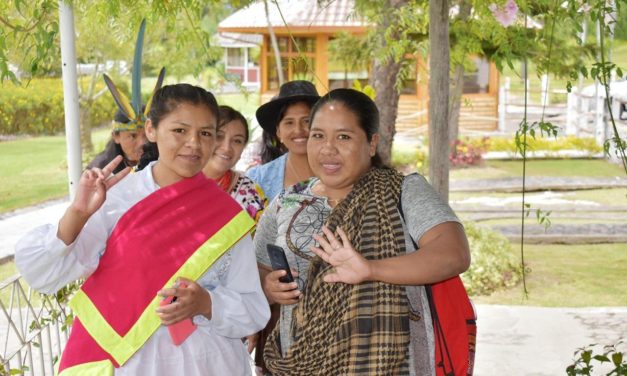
454,324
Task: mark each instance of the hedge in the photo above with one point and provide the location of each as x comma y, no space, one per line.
588,144
36,107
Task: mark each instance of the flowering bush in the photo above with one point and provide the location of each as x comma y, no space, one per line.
464,153
410,159
36,108
506,14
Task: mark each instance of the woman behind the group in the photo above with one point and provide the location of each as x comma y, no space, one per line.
285,123
134,237
360,326
127,140
232,136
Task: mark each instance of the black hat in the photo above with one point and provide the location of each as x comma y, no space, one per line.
293,91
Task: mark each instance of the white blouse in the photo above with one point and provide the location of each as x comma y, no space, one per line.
239,307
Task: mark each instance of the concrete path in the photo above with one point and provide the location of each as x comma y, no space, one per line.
521,340
536,183
14,225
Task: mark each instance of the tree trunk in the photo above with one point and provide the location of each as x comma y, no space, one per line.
457,85
85,125
439,96
275,45
383,80
86,101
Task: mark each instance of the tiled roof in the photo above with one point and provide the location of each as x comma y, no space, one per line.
297,13
239,40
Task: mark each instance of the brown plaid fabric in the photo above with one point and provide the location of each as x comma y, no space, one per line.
363,329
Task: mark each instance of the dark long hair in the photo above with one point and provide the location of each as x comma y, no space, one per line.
112,149
359,104
271,147
165,101
229,114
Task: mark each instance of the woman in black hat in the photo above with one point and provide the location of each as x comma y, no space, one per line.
285,123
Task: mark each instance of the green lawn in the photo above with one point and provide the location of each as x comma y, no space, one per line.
539,167
34,170
570,276
8,270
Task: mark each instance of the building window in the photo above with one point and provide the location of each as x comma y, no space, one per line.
408,86
348,61
235,57
295,65
477,76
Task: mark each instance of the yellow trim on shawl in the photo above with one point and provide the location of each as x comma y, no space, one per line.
100,368
122,348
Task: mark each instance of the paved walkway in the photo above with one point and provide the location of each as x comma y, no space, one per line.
14,225
521,340
536,183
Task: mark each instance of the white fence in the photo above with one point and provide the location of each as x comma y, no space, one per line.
33,329
578,113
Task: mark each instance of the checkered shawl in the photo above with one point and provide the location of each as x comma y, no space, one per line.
342,329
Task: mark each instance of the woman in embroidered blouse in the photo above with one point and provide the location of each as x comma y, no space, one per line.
285,123
222,297
231,138
360,326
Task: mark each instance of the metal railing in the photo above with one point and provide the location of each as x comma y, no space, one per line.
33,329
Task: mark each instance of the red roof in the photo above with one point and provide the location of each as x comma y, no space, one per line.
299,15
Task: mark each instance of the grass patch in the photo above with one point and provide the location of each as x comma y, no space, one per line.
7,270
611,197
570,276
33,170
540,167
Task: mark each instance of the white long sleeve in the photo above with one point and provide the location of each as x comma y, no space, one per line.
47,264
239,306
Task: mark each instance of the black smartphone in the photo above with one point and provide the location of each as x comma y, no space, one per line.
279,262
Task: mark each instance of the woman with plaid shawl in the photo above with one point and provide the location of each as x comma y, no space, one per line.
360,306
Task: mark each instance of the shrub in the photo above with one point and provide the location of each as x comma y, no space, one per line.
36,107
587,357
540,143
494,264
464,153
414,159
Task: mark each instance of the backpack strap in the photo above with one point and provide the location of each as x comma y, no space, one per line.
442,347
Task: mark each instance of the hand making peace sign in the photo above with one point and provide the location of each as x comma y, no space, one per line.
93,187
91,194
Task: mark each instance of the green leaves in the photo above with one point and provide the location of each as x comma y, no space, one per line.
584,358
494,265
367,89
